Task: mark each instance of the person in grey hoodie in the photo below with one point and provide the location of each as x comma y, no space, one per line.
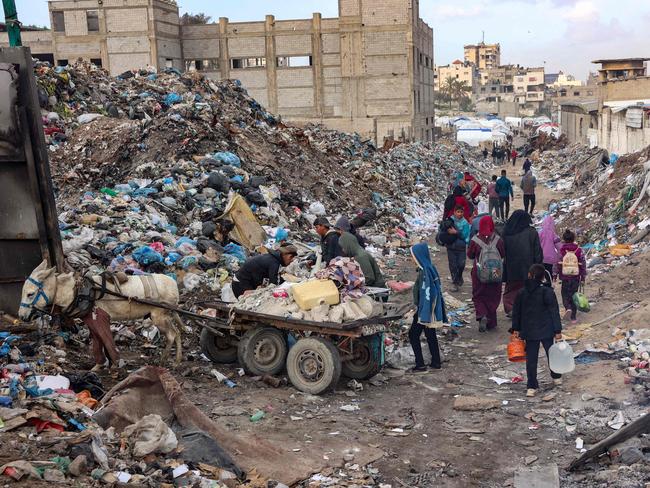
528,185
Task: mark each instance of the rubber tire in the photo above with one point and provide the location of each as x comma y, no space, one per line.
369,368
247,347
216,353
331,362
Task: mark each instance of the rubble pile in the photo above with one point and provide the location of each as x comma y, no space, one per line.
146,163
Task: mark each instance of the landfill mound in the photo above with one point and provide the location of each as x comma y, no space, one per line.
145,163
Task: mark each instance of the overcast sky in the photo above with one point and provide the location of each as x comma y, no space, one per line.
566,34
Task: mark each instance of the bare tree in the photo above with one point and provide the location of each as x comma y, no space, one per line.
195,19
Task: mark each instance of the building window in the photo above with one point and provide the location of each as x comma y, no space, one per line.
201,65
294,61
96,61
62,62
244,63
58,21
576,94
421,58
92,20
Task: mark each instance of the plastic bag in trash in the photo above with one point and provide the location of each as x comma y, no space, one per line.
317,208
228,158
236,251
145,256
172,98
150,434
79,241
191,281
227,295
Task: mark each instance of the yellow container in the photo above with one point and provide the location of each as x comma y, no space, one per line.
311,294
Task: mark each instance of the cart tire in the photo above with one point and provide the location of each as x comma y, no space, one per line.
219,349
262,351
314,365
365,365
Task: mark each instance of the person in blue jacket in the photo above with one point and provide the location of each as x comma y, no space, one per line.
430,308
505,191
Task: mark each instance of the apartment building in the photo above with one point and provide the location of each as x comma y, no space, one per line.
483,56
458,70
529,90
370,70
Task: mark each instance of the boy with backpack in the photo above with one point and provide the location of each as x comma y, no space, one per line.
572,270
536,320
454,235
487,250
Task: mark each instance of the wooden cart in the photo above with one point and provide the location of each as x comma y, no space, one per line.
315,354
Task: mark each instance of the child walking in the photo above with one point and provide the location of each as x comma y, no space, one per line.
536,320
572,270
430,308
457,249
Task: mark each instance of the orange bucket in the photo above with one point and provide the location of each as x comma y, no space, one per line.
516,350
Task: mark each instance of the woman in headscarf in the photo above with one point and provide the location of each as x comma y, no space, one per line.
351,249
430,308
458,199
551,244
486,296
482,212
522,251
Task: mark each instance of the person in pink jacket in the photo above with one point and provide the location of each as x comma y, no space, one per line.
551,244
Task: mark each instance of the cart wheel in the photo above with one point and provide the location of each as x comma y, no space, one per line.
219,349
365,363
262,351
314,365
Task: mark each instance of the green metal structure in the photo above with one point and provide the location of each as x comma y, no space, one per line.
13,26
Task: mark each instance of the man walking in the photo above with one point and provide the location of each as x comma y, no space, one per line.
493,197
528,184
504,189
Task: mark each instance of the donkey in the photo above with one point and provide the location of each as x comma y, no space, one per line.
45,288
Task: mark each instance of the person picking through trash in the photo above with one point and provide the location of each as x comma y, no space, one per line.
351,249
329,240
528,184
522,251
263,270
572,270
343,225
551,244
429,308
487,250
504,189
457,249
536,320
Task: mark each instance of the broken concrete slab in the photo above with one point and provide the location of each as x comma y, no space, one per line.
547,476
475,404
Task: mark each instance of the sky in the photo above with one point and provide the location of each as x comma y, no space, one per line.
558,34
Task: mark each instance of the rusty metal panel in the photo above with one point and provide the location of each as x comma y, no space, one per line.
29,232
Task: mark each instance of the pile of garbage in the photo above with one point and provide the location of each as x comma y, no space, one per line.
178,174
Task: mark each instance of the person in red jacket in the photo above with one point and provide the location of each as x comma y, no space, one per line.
473,186
458,199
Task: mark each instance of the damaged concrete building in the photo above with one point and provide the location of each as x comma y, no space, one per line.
617,114
368,71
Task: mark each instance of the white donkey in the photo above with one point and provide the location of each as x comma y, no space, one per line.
46,288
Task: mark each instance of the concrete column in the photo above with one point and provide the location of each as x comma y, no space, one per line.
317,64
224,57
103,45
354,104
271,64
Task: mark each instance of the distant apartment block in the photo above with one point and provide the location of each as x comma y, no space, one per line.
459,71
483,56
370,70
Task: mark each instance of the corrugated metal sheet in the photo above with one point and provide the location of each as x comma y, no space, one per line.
634,118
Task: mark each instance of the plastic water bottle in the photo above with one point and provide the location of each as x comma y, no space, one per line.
560,358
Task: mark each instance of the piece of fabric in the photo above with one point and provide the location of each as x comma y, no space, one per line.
486,227
103,346
529,203
536,313
550,241
510,292
569,288
428,288
347,274
532,358
257,271
351,248
415,332
518,222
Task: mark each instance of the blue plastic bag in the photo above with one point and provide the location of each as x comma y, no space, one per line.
235,251
228,158
145,256
281,235
184,240
172,98
171,258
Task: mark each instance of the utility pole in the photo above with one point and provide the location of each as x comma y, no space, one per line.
13,26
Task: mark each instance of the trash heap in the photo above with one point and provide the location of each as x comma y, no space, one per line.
147,165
